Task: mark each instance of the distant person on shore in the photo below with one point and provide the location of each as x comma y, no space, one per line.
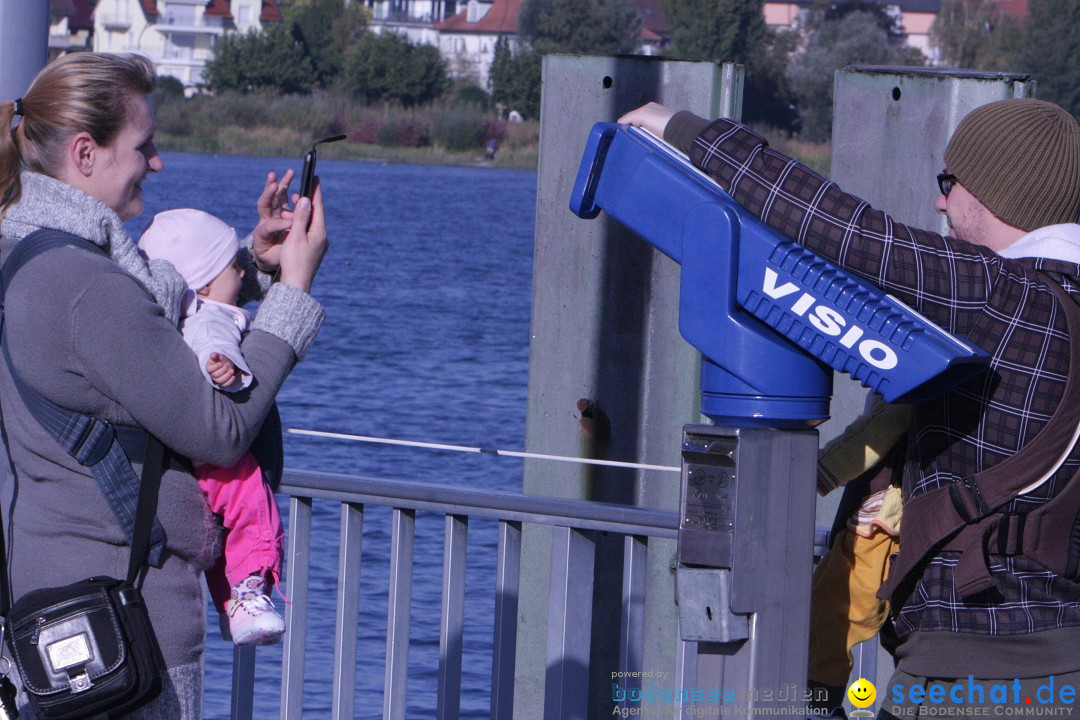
205,251
94,331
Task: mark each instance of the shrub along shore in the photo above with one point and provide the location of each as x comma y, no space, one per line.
454,130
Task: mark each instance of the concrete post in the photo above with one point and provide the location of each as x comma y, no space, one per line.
609,375
24,44
890,129
24,49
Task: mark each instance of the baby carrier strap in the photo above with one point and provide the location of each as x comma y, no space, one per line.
91,441
967,515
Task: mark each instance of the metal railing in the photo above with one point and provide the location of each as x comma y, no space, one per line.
572,523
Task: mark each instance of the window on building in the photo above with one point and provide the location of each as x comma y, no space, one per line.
181,14
243,16
121,16
180,47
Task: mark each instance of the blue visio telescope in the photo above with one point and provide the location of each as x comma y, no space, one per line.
769,316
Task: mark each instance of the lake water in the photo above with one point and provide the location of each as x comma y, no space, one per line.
427,288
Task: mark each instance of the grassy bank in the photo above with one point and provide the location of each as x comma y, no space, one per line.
453,131
286,144
450,132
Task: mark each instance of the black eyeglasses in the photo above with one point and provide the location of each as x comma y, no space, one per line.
945,182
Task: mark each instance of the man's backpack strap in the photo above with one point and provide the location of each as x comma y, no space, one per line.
1049,534
91,441
968,516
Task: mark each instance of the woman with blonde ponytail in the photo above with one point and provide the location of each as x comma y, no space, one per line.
9,155
96,334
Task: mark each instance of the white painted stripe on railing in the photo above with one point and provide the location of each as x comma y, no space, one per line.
483,451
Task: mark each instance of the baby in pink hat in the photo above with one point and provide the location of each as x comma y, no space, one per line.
204,251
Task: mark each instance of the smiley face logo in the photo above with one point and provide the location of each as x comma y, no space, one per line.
862,693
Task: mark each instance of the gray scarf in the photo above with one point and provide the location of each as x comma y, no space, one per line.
48,203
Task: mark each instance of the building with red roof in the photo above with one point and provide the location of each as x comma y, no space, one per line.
467,40
916,17
654,28
466,32
177,35
71,26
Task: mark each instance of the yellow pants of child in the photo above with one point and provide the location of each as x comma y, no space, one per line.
844,608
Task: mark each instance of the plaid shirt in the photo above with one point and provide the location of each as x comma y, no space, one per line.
1003,306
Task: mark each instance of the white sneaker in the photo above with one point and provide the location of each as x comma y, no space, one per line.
254,621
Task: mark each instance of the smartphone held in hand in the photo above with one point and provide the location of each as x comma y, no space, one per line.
307,175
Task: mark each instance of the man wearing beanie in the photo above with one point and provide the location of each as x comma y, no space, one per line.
984,590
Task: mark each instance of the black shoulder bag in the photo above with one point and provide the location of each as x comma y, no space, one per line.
88,650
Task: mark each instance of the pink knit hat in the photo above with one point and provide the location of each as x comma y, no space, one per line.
198,245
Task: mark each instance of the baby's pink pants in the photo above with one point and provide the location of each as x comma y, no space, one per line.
254,536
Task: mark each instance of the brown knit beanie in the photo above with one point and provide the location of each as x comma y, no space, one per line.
1021,159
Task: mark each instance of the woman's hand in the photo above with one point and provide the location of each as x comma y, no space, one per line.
275,219
304,246
653,117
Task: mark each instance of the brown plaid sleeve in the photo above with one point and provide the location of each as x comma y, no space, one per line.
948,280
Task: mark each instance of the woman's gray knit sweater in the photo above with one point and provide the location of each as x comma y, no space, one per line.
95,335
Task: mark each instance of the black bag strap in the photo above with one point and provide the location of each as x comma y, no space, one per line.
154,462
91,441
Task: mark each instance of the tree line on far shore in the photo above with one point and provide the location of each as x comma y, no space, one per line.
328,46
